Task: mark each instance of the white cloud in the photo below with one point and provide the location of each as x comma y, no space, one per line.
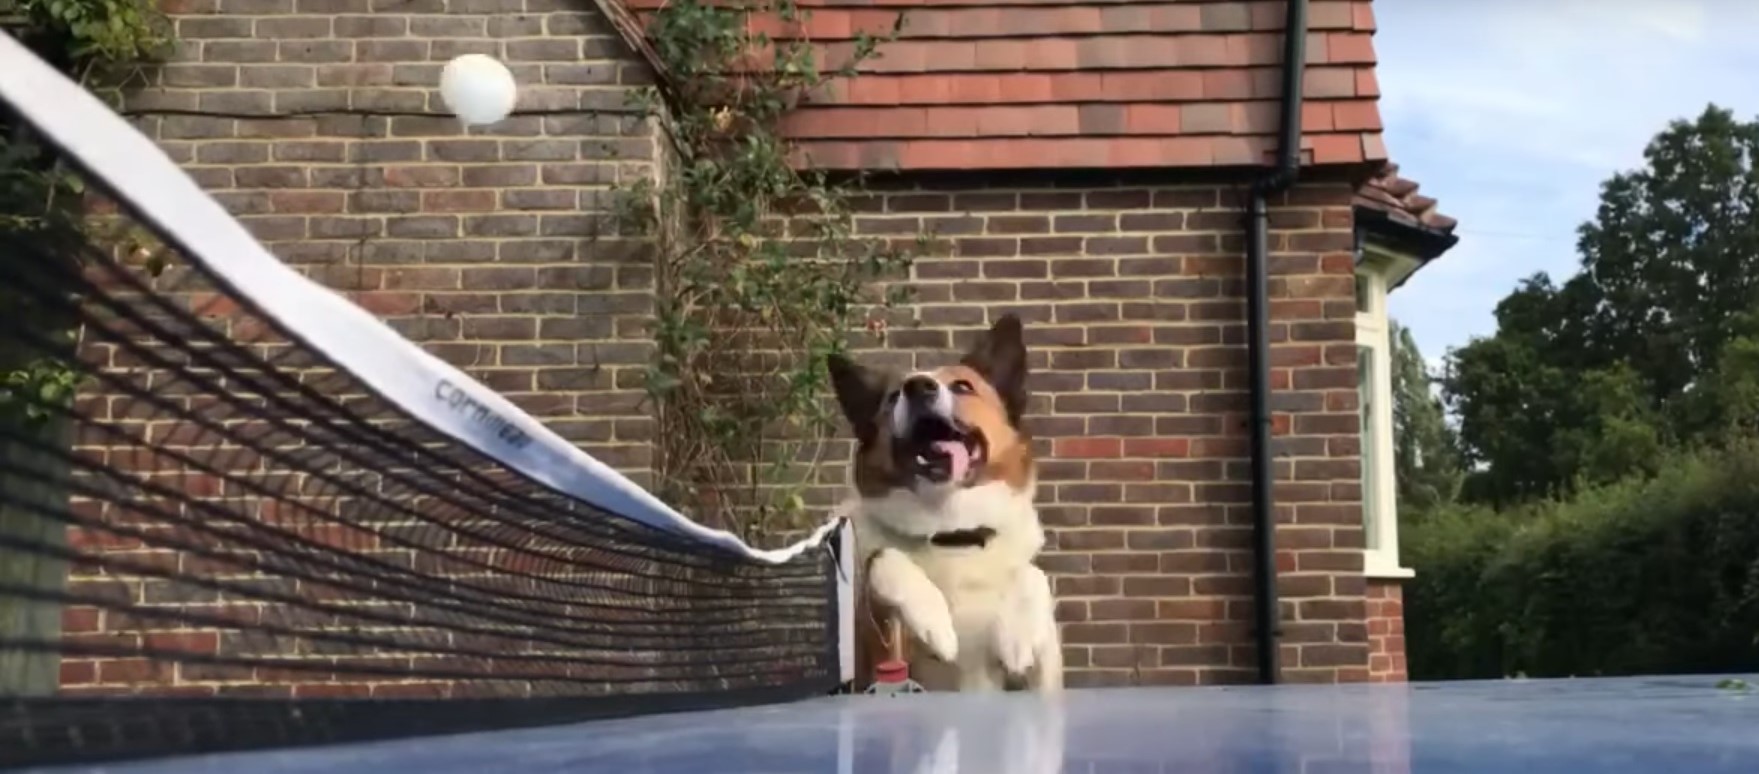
1511,112
1682,21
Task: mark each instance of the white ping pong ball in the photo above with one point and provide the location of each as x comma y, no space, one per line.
478,89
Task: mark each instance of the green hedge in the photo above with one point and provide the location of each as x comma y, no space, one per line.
1653,576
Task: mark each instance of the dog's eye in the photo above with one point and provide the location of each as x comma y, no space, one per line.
962,387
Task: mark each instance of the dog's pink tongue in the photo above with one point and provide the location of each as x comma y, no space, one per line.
958,458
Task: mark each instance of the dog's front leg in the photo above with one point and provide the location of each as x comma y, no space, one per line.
899,584
1047,675
1026,638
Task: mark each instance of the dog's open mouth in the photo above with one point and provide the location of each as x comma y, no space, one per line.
943,451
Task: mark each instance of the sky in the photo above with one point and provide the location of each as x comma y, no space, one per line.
1512,112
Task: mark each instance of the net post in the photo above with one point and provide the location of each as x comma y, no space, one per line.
844,635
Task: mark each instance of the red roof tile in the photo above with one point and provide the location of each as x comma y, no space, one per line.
1396,196
975,84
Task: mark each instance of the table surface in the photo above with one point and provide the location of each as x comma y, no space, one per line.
1677,725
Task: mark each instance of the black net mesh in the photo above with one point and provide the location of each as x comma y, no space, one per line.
211,538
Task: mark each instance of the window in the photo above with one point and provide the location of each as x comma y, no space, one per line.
1380,523
1370,460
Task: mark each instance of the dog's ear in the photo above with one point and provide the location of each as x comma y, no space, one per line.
1000,355
860,391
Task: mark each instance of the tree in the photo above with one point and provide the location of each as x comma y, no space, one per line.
1426,459
1645,346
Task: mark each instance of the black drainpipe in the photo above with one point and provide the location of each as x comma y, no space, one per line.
1277,180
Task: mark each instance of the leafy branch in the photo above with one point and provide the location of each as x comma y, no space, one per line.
104,45
761,272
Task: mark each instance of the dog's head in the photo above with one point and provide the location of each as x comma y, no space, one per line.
933,432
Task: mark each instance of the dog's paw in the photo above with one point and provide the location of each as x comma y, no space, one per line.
935,628
1015,647
1026,625
900,583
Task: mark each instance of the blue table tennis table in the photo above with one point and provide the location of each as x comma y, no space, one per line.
1675,725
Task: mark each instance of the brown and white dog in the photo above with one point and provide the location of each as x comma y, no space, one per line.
944,523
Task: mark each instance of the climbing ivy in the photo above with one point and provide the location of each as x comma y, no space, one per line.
107,46
101,42
761,271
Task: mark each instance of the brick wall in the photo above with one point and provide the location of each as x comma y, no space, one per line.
1133,298
1386,632
487,247
487,250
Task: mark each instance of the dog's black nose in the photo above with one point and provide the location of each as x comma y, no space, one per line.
920,388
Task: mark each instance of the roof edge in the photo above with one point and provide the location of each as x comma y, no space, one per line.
1390,207
1423,243
634,35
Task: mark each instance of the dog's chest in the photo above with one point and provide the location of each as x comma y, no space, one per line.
973,581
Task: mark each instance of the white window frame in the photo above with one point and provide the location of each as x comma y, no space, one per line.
1379,269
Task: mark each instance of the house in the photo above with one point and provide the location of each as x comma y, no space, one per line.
1094,166
1397,232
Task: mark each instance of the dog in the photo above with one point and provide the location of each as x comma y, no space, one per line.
945,526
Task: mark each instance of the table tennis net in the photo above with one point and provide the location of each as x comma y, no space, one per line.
212,537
